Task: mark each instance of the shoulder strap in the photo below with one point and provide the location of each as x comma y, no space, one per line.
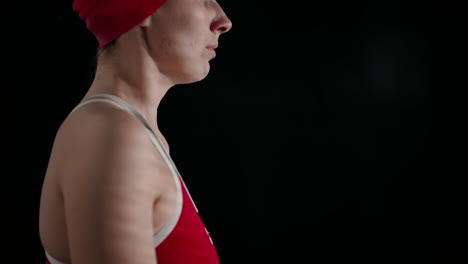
119,102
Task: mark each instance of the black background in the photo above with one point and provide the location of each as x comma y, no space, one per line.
326,132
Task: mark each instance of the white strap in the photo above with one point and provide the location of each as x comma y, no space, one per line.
125,105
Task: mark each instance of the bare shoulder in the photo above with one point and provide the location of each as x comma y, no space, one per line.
104,138
108,174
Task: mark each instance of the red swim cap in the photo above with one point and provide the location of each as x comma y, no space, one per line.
109,19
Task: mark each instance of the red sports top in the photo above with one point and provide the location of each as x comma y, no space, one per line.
183,239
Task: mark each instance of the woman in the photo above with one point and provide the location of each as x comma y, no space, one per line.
111,192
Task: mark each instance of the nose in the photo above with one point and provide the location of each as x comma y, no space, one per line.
221,24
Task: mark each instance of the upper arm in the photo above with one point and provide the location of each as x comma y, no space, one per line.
109,191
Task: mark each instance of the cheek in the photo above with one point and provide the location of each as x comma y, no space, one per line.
193,27
161,49
175,41
176,49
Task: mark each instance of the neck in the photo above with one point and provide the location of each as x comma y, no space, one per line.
134,77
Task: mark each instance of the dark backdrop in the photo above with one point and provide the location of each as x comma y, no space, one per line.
325,132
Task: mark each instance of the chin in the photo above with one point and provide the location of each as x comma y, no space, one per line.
196,76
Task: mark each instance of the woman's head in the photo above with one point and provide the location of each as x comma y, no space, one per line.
179,36
182,36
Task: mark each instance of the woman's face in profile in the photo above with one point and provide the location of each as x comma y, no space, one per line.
183,36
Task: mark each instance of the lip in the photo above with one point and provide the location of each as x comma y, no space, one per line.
212,46
212,49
